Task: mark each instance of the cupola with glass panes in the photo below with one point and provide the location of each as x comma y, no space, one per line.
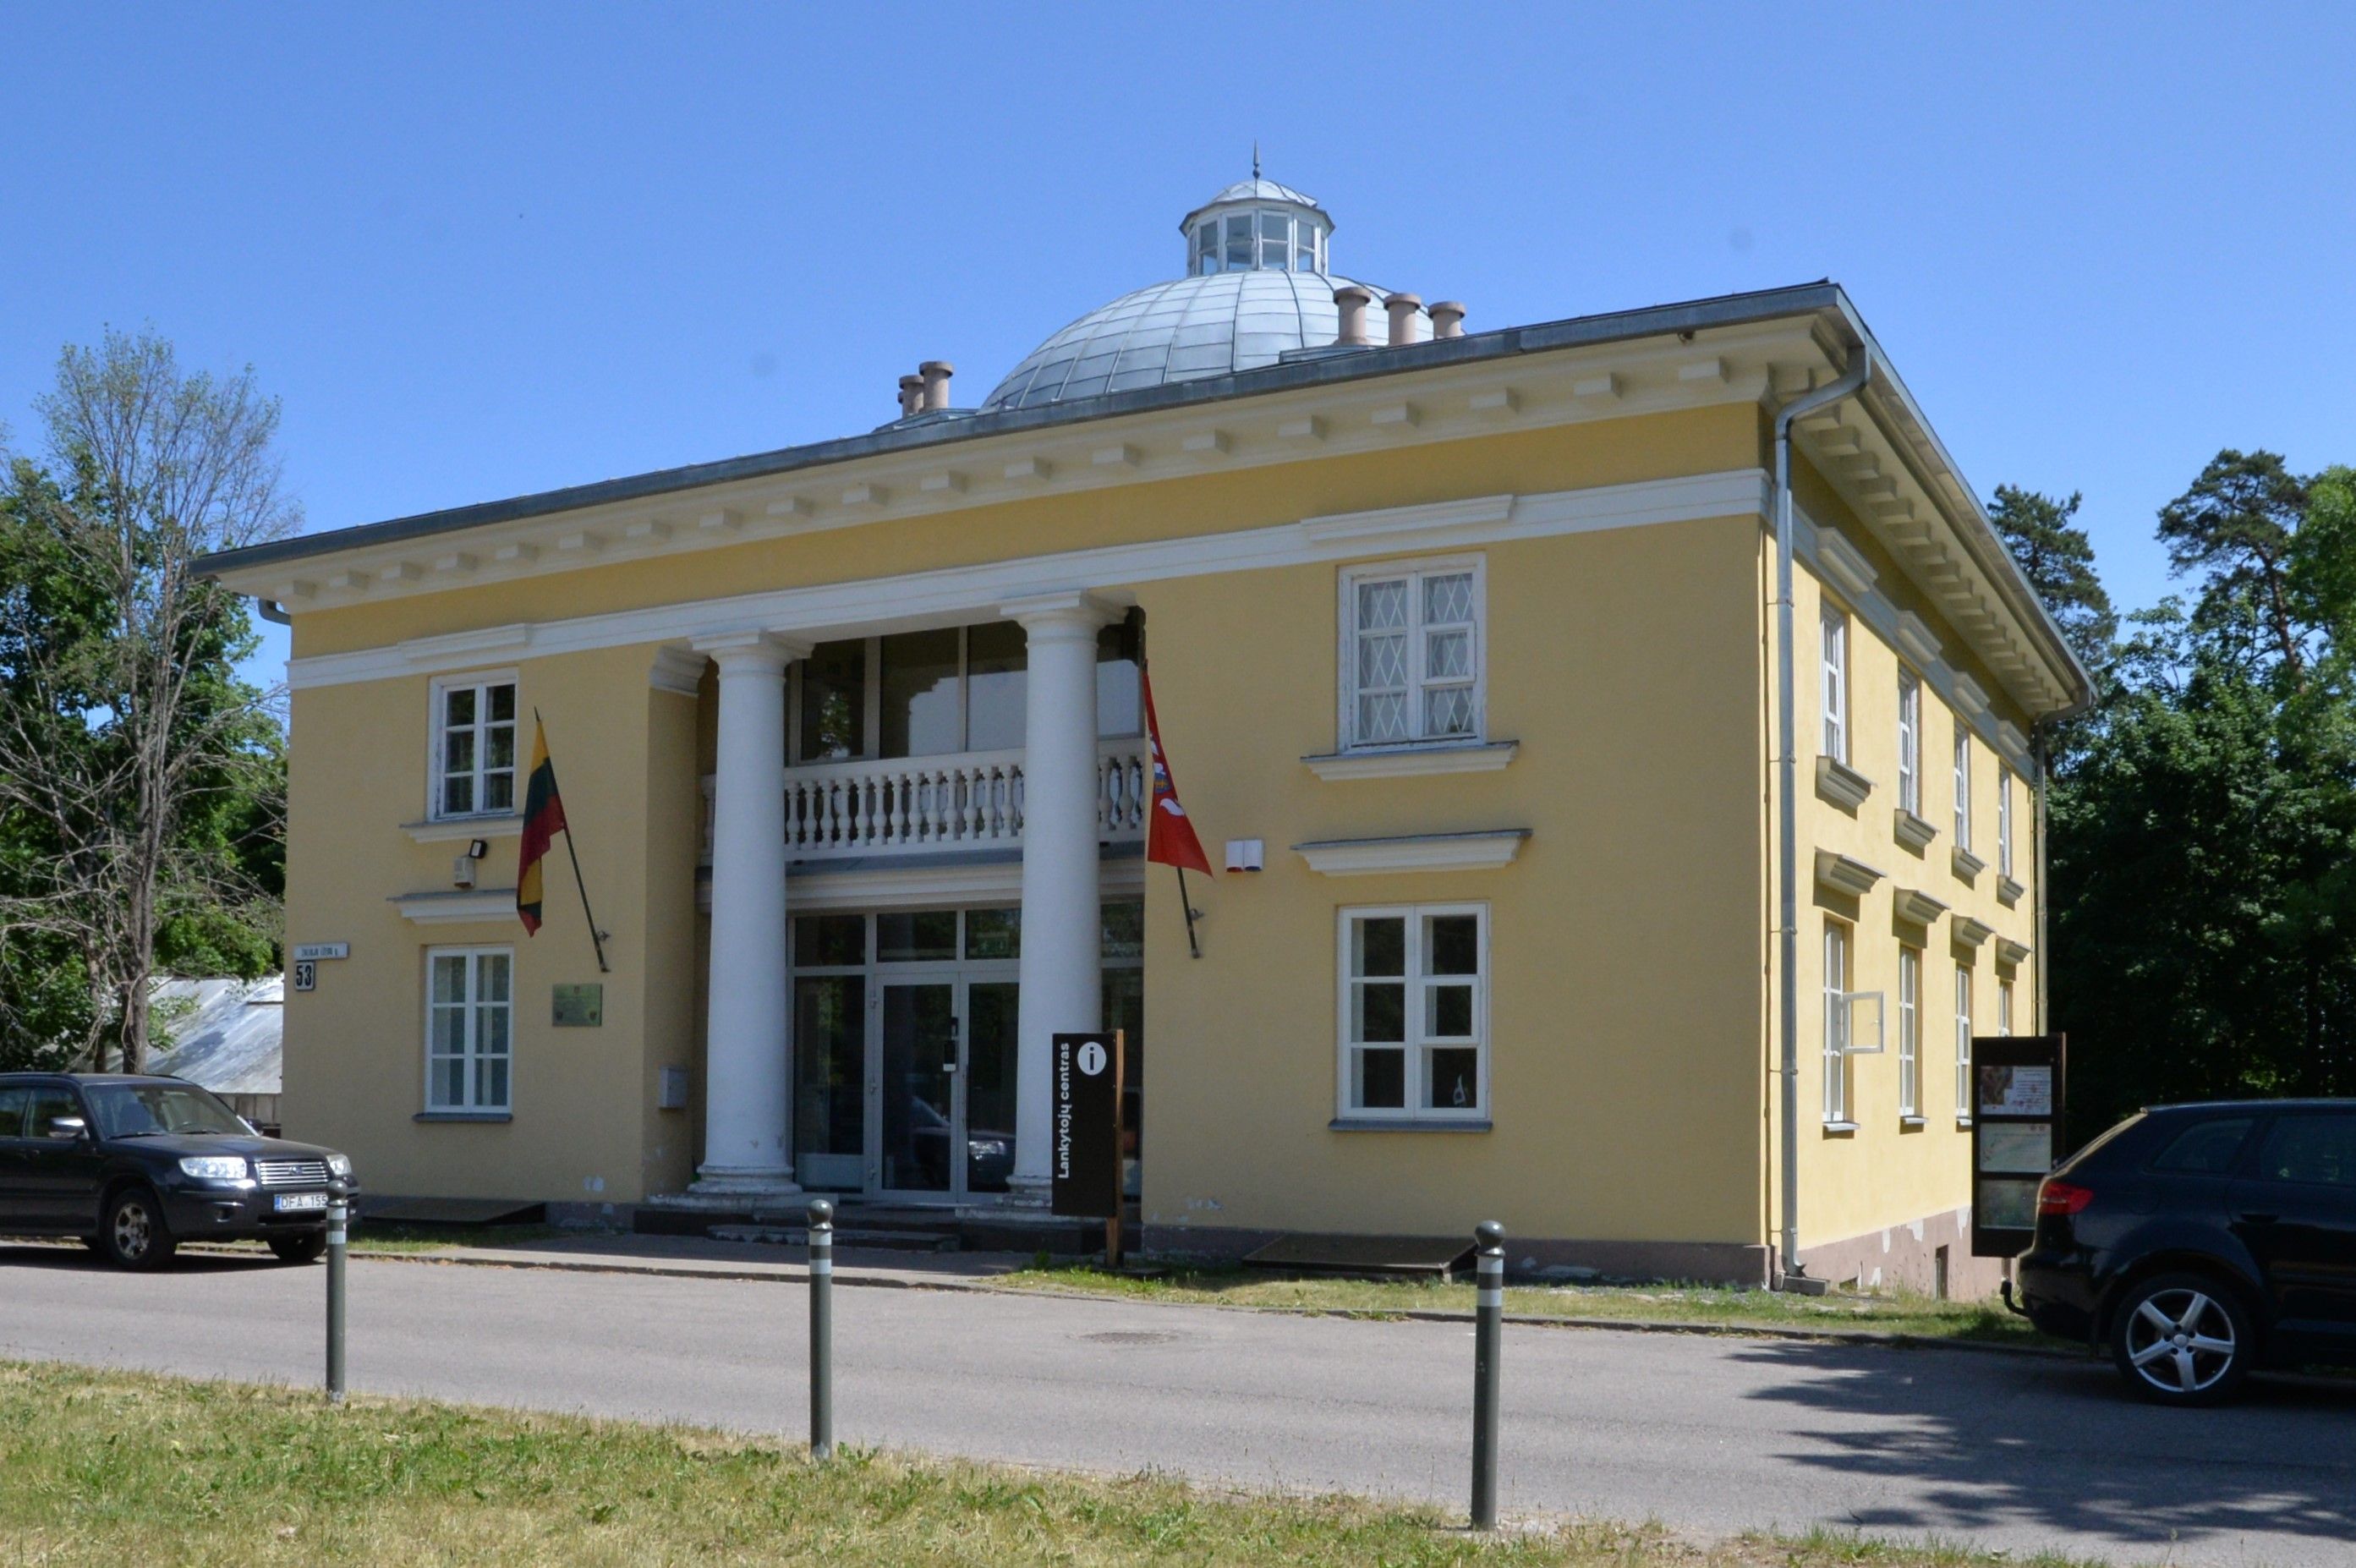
1257,225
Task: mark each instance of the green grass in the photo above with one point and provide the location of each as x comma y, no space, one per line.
371,1237
111,1468
1703,1306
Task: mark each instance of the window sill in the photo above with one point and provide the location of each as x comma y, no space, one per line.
1840,1129
464,1116
1962,1122
1405,1124
1842,785
1912,831
448,830
1967,865
1413,761
1910,1124
2007,891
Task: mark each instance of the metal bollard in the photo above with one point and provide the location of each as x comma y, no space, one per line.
1488,1337
821,1328
339,1217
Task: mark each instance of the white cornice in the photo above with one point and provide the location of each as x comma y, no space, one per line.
1451,402
486,906
953,594
1916,906
1415,852
1845,873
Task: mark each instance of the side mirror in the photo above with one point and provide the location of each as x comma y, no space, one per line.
68,1128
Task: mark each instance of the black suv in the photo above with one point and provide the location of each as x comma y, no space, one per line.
2197,1241
136,1165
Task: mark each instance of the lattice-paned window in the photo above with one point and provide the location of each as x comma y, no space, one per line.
1412,656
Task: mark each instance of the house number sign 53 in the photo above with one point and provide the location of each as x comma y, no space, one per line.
306,958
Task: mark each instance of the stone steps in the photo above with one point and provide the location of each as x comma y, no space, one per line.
891,1240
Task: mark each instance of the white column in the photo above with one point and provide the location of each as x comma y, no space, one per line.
747,1130
1062,983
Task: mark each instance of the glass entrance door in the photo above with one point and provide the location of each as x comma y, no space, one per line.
917,1061
945,1065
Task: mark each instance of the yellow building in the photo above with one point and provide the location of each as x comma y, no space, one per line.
1466,642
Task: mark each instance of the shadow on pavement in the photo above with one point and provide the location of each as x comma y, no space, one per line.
72,1255
1984,1441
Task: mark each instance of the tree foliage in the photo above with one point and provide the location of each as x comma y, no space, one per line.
140,779
2202,894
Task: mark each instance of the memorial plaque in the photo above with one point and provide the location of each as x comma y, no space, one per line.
580,1007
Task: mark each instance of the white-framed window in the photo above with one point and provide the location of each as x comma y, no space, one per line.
1836,1023
1963,1044
474,756
1835,647
1414,1013
469,1027
1963,787
2004,819
1412,656
1910,1031
2004,1007
1910,742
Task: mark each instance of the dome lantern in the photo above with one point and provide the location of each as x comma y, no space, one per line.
1257,225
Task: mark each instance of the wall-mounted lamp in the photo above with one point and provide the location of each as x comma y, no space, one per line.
477,848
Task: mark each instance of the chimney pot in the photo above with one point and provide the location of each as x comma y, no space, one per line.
1448,318
912,395
1402,308
935,373
1353,301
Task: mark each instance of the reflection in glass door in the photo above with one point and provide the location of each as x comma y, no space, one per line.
829,1080
916,1063
988,1114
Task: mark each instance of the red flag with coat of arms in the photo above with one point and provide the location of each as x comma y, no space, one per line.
1169,835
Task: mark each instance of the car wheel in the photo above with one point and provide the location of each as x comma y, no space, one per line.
136,1235
2183,1339
302,1248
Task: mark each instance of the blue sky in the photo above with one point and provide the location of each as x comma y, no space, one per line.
481,251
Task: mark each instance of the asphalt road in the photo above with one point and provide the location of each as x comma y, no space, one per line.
1714,1435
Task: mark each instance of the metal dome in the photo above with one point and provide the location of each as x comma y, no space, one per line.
1183,330
1259,287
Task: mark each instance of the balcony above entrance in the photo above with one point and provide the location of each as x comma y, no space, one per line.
913,805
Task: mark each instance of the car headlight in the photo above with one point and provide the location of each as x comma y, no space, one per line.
214,1167
339,1164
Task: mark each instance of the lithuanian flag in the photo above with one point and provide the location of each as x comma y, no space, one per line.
543,818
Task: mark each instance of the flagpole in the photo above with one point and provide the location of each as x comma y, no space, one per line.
1187,905
597,937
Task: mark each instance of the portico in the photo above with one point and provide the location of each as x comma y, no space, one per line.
870,770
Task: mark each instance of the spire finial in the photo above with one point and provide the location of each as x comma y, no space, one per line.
1255,158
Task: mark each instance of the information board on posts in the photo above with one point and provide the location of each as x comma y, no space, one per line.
1084,1151
2018,1096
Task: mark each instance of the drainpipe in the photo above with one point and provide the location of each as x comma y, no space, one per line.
1787,857
273,611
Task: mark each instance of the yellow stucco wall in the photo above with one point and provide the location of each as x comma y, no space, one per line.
1625,988
1887,1172
1630,1004
584,1128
